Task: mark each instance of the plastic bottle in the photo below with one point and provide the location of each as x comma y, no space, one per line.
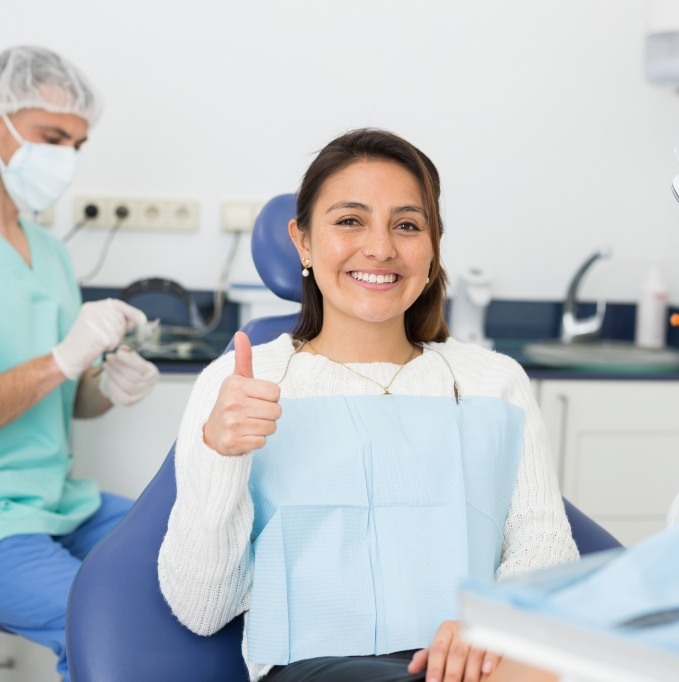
651,321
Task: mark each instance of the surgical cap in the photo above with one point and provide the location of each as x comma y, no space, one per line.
37,78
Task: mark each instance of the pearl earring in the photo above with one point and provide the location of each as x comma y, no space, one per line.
306,263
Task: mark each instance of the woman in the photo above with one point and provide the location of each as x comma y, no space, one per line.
337,484
49,521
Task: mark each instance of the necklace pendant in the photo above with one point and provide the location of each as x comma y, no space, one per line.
386,392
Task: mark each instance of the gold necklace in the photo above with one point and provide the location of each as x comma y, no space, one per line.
385,389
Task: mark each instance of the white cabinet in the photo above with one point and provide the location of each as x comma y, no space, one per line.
124,448
616,445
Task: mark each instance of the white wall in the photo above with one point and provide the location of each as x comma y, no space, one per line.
548,139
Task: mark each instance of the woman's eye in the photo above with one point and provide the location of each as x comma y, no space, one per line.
407,226
347,221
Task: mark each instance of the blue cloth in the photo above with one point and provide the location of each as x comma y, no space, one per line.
37,571
38,306
603,592
369,510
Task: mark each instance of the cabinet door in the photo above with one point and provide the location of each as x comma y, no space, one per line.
616,444
123,449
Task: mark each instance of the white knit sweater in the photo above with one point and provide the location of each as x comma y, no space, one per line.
206,563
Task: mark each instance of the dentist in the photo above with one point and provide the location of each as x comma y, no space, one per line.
48,342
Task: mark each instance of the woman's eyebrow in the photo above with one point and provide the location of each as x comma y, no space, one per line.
350,204
408,209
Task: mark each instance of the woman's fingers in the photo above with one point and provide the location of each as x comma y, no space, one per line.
490,663
472,666
447,654
450,658
419,661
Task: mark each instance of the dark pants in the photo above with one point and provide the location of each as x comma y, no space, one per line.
386,668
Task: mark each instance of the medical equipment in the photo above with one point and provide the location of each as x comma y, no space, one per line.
662,43
141,336
469,307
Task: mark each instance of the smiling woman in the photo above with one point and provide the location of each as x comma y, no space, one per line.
338,483
370,259
368,162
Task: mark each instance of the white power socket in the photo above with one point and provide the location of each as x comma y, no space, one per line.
239,216
161,215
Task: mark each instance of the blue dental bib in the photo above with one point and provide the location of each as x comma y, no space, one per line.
369,511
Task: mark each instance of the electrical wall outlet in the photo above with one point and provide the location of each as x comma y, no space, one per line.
239,216
161,215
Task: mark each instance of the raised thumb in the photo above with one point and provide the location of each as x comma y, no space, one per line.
243,350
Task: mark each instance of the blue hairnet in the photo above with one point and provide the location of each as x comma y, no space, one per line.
37,78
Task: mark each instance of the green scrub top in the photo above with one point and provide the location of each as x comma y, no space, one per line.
38,305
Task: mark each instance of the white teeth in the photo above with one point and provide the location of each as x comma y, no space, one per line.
373,278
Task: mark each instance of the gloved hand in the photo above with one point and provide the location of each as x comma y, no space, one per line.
100,326
127,377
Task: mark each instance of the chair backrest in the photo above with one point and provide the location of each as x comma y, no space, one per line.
119,628
589,536
273,252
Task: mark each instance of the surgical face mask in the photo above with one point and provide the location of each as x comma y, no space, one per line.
38,173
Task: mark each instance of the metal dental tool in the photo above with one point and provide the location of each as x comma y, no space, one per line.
140,337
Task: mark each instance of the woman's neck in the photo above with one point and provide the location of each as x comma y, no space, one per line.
364,342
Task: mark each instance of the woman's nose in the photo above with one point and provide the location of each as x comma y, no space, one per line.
379,244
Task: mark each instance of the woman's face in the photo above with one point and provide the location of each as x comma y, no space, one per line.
369,242
37,125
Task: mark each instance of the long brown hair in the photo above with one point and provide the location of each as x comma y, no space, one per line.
425,319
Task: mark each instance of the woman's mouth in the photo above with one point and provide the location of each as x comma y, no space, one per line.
372,278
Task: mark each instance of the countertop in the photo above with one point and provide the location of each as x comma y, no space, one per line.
511,324
514,348
192,355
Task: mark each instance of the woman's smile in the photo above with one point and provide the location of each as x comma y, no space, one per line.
371,277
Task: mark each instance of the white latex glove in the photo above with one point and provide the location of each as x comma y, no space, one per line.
100,326
127,377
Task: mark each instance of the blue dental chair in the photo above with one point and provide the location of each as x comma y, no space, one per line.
119,628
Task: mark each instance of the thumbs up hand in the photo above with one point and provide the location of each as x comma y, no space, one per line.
246,409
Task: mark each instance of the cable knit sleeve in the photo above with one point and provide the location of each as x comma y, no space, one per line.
205,561
537,533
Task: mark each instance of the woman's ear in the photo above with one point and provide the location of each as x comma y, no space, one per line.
299,239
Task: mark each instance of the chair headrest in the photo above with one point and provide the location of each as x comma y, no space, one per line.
273,253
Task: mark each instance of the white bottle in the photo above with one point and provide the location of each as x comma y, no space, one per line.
651,321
